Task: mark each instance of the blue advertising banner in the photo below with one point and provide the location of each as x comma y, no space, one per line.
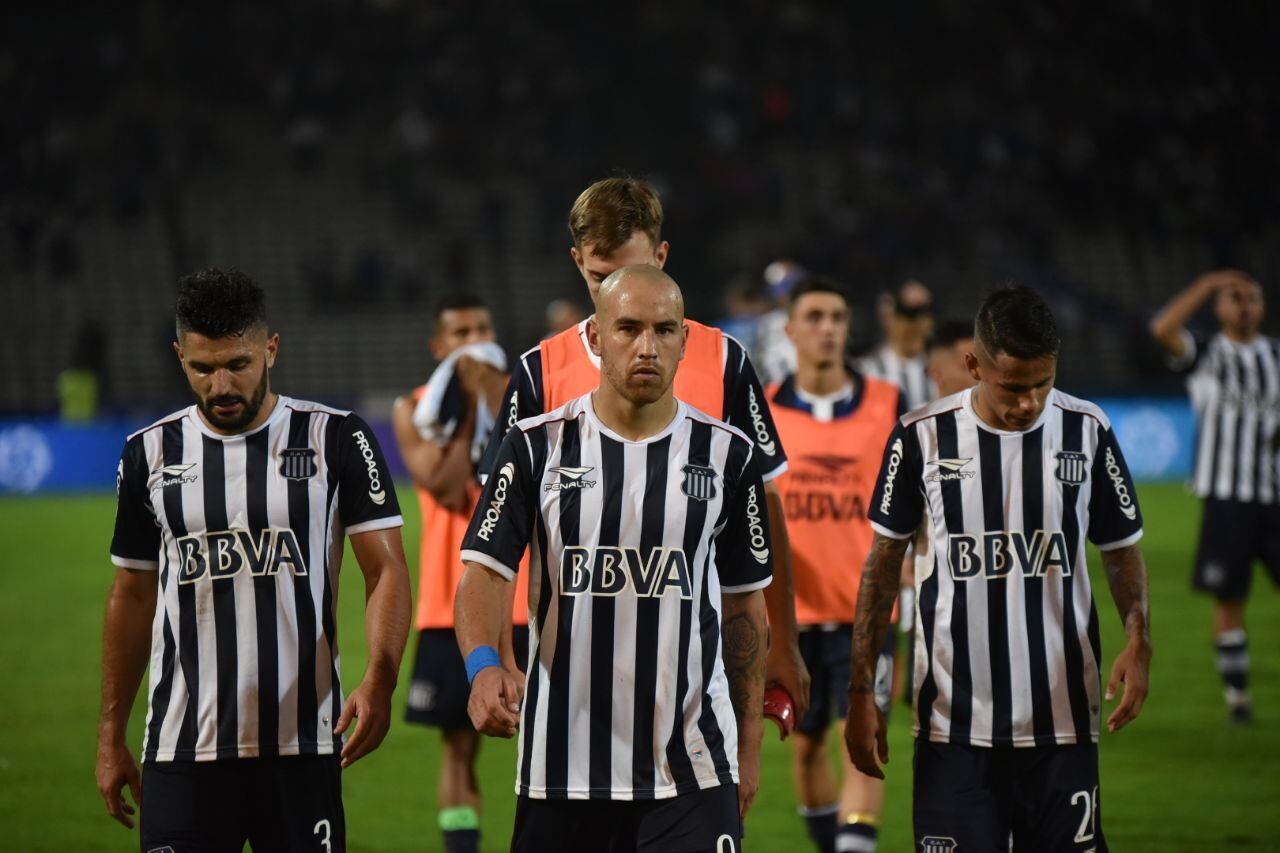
44,455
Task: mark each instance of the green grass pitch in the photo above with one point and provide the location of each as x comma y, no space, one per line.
1179,779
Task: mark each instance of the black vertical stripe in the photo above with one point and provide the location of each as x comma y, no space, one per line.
188,639
1033,589
1073,440
1261,452
257,473
214,481
1237,367
953,514
300,522
695,517
992,478
732,369
928,691
538,621
600,756
328,611
557,726
652,526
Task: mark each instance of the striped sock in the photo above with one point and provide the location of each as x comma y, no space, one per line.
461,828
821,823
1233,664
859,834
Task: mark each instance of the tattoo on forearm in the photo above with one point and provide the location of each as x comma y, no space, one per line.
1127,576
877,591
744,648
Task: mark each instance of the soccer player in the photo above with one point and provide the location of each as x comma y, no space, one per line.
946,367
444,474
1234,382
901,358
615,223
835,421
649,538
1013,476
228,543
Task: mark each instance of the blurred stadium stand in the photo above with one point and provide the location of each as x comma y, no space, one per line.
360,157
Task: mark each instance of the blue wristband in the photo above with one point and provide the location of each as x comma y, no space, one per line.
481,657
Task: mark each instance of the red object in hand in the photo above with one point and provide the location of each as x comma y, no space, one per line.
779,707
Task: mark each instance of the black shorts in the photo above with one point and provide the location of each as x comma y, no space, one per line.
439,690
291,803
699,822
1233,536
828,655
973,799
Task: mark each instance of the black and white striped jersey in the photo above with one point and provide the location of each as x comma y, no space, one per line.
1007,645
245,534
909,374
631,545
1235,392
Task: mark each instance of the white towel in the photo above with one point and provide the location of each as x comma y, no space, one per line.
439,410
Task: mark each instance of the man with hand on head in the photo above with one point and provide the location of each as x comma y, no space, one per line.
649,539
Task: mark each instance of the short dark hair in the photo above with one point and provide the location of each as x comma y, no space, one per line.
608,212
1016,320
220,304
814,284
458,300
949,332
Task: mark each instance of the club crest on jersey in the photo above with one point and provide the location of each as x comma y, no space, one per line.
699,482
937,844
951,469
571,478
173,475
298,463
1072,467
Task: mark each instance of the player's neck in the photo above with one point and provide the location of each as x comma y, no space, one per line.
633,421
821,379
1238,336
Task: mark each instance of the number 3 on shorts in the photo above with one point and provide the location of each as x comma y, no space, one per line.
1089,820
323,826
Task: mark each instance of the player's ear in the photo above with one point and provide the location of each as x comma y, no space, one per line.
660,254
593,334
578,260
971,364
177,348
273,347
684,339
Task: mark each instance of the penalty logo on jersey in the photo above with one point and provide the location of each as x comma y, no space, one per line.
699,482
298,463
1072,468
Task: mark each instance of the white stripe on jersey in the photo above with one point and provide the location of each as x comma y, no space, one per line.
909,374
1235,392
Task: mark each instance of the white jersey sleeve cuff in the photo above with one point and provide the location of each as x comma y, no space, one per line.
892,534
1120,543
140,565
376,524
769,476
488,562
748,587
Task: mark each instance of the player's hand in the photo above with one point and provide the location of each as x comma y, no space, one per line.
370,705
475,376
116,767
748,775
786,668
865,736
494,705
1131,669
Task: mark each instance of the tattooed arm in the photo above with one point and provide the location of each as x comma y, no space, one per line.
744,639
1127,575
864,729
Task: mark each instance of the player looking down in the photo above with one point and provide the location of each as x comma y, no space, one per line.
648,534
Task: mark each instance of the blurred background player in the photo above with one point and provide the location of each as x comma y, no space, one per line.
773,352
642,723
952,340
562,314
901,359
1013,476
438,452
835,422
1234,382
617,222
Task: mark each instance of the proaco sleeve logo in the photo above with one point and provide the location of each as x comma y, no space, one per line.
756,527
491,515
891,474
757,423
1122,489
376,494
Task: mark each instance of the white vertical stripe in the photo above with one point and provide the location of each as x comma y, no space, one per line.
976,589
1015,588
172,722
721,444
1205,394
943,654
1230,413
206,626
590,513
320,521
1083,594
537,727
1271,400
675,505
236,457
286,606
1247,453
1053,598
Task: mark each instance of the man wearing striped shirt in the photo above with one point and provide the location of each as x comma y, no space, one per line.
1013,477
228,542
1234,382
649,550
901,359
